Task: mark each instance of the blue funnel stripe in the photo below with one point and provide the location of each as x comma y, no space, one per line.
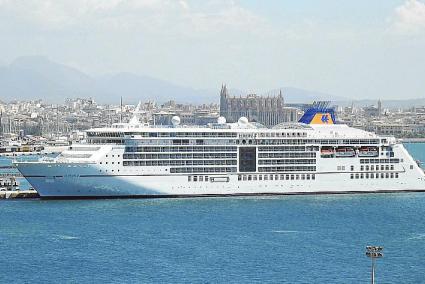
311,112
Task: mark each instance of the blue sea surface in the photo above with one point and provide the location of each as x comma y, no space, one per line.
288,239
417,150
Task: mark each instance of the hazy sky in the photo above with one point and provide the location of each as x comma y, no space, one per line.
356,49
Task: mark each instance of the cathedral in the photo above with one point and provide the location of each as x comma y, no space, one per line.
268,111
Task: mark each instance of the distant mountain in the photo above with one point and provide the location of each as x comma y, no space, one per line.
54,72
37,77
34,77
135,87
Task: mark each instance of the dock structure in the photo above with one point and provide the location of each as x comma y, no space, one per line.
412,140
9,183
18,194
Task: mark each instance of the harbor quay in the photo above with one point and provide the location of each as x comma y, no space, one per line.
10,185
18,194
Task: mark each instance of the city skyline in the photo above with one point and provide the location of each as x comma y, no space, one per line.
354,50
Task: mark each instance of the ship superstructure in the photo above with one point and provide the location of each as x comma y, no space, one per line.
243,158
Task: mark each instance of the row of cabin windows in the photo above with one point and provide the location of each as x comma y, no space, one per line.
161,134
277,177
274,142
105,141
100,140
188,134
373,175
308,141
347,141
204,170
184,142
287,155
318,141
281,148
369,168
376,168
178,134
219,162
105,134
214,148
288,169
380,161
231,134
288,162
113,156
182,149
181,156
227,135
280,134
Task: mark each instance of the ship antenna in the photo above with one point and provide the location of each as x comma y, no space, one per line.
121,109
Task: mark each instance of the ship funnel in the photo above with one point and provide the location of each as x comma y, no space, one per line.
319,113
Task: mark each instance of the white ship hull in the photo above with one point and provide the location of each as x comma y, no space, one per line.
166,186
224,162
84,181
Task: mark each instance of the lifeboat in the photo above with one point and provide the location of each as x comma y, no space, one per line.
345,152
327,152
368,152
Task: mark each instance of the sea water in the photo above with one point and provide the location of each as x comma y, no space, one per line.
288,239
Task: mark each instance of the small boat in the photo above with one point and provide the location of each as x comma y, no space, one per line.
345,152
327,152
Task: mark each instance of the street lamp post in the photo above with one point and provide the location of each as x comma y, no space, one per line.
374,252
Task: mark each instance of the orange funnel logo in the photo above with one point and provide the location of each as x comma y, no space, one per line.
322,118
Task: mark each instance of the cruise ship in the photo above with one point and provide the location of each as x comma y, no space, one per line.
316,155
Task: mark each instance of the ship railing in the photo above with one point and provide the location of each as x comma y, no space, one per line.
47,160
61,160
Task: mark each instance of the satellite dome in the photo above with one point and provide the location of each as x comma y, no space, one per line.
175,120
243,121
221,120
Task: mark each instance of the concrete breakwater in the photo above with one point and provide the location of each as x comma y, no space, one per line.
412,140
18,194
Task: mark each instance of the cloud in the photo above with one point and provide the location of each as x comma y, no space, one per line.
157,16
409,18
